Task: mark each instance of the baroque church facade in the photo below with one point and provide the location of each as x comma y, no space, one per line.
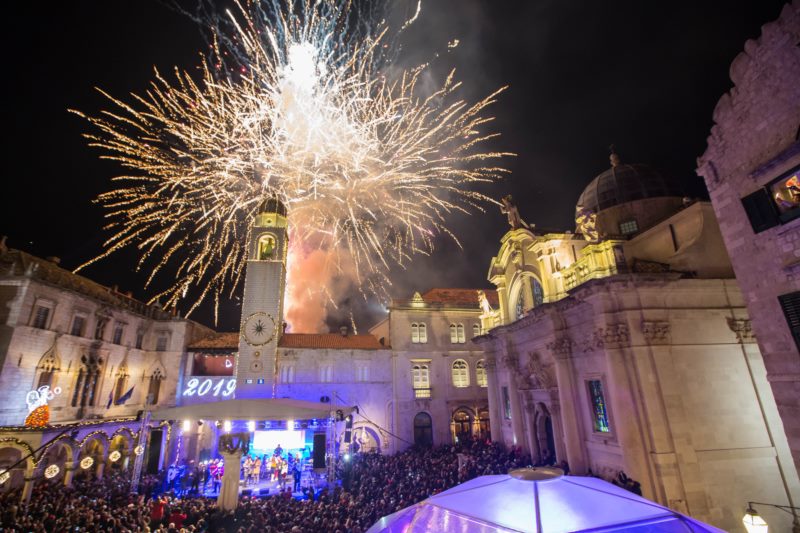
627,346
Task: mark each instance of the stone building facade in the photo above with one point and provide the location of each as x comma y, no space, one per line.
92,354
752,170
636,353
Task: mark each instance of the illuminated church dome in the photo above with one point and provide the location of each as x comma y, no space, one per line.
272,205
626,199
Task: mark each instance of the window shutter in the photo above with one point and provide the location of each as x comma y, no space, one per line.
760,210
791,310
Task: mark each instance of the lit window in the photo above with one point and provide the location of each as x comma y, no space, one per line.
460,372
461,338
480,373
519,310
266,247
599,411
362,372
538,292
420,376
628,227
476,330
457,334
40,316
423,333
78,323
415,333
506,404
453,334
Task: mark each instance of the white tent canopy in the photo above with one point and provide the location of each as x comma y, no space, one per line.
525,501
260,409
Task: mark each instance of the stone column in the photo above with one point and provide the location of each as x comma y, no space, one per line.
558,433
228,497
510,362
568,420
27,488
69,474
101,466
530,418
494,400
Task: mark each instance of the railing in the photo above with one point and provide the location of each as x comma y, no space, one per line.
422,393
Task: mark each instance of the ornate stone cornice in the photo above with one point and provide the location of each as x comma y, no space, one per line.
656,331
743,329
610,336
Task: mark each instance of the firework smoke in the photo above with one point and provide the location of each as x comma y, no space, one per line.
301,100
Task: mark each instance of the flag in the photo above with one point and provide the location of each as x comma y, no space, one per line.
110,398
125,397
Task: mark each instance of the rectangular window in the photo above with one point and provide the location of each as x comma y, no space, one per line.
599,411
78,323
139,339
326,373
362,373
506,404
628,227
161,342
420,376
100,328
119,329
790,303
40,315
785,193
287,374
760,210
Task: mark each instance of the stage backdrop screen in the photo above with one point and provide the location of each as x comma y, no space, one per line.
269,440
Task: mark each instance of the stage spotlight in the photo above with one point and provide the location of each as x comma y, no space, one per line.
226,426
347,457
187,425
290,425
251,426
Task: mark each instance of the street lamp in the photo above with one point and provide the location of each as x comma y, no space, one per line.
753,522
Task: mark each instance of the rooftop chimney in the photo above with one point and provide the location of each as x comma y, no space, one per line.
343,330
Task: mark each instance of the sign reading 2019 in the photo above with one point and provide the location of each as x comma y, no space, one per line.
221,387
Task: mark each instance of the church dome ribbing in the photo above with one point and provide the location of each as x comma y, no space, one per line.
272,205
623,183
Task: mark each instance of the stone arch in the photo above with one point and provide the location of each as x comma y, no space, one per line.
121,441
368,437
13,450
462,421
102,444
48,367
423,429
526,291
544,432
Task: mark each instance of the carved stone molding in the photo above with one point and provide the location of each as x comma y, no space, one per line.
536,375
561,347
611,336
656,332
743,330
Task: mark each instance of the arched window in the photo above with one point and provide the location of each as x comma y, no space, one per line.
420,376
476,330
86,385
423,333
100,328
423,430
155,386
460,330
267,245
519,306
462,425
48,365
480,373
415,333
460,372
453,334
538,292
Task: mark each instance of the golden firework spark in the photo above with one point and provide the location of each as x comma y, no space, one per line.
368,166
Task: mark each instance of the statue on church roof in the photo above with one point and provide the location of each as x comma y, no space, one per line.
510,209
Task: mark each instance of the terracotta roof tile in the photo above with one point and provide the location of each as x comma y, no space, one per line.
459,297
230,341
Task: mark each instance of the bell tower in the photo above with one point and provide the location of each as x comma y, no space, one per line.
262,303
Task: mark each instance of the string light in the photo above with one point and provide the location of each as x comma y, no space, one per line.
87,463
51,471
114,456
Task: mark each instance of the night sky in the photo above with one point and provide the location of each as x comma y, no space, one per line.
644,76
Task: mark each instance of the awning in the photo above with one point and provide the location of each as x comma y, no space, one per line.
261,409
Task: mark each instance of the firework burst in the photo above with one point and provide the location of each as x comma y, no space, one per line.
303,101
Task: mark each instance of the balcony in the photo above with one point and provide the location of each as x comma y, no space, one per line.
422,393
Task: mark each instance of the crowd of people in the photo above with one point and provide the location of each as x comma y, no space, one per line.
373,486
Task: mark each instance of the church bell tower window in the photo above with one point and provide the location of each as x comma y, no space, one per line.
267,245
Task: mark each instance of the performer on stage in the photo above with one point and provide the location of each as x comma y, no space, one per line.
257,469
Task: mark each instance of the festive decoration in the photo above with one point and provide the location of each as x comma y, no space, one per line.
87,463
114,456
4,476
51,471
302,101
139,450
39,417
224,386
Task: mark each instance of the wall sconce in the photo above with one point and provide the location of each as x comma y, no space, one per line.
753,522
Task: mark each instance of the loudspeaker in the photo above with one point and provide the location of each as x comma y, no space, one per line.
247,492
319,450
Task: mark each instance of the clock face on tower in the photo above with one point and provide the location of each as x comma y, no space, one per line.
258,329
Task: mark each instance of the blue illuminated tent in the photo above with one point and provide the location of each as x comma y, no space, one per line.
538,500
